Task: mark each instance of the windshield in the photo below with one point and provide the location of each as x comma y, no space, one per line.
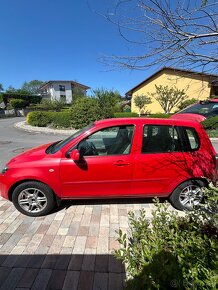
205,109
53,148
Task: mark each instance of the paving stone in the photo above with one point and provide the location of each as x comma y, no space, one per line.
101,263
62,262
115,281
88,263
36,261
28,278
86,280
75,263
12,279
72,280
100,281
42,279
56,280
4,273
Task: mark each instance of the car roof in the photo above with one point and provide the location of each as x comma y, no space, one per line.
158,121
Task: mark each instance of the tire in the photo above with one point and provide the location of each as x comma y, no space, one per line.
33,198
187,195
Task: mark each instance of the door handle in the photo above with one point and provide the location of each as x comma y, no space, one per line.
121,163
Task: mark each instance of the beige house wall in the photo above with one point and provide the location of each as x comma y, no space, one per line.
195,86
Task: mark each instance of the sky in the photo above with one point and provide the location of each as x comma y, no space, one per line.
61,40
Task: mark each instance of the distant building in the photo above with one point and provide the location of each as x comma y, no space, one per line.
61,90
196,85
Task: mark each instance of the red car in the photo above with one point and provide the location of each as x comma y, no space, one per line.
114,158
199,111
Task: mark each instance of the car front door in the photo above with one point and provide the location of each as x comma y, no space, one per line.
105,167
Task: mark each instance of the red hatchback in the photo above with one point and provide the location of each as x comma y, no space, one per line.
114,158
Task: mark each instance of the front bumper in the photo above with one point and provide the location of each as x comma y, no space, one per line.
3,187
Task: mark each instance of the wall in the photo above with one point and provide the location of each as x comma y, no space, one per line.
195,86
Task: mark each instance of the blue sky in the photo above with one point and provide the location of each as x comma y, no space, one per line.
61,40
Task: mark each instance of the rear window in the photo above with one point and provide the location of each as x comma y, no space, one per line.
160,139
192,139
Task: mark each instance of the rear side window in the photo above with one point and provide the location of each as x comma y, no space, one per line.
160,139
192,138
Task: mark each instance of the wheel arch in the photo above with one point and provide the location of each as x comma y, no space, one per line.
202,179
12,188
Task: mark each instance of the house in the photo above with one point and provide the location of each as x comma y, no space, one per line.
196,85
61,90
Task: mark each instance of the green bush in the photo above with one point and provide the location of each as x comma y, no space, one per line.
18,103
55,105
160,115
168,251
187,103
211,123
84,111
125,115
62,119
39,118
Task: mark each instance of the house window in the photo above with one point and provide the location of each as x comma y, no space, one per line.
61,88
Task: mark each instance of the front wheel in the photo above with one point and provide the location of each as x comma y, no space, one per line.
33,198
187,195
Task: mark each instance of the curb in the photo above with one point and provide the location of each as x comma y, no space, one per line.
23,126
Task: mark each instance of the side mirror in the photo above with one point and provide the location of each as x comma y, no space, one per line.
75,155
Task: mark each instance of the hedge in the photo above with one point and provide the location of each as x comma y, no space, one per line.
43,119
125,115
211,123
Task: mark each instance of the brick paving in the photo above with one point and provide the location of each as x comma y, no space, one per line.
71,248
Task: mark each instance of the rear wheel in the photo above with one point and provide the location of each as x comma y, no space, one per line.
33,198
188,195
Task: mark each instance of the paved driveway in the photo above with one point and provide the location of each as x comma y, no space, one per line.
70,248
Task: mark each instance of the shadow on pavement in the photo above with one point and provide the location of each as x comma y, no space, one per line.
73,272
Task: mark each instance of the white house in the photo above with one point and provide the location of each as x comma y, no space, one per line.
61,90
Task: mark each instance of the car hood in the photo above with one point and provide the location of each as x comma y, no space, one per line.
35,153
188,116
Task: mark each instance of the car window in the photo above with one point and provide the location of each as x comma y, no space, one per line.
192,138
160,139
110,141
204,109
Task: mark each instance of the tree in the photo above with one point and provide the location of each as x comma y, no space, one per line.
1,87
168,97
167,32
107,100
141,101
32,87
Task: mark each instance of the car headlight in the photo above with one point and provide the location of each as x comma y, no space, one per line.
5,169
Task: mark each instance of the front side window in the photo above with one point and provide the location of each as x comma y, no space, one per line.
160,139
110,141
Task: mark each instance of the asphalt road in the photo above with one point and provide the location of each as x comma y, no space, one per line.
14,141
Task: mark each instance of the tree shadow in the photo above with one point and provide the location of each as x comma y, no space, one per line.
74,272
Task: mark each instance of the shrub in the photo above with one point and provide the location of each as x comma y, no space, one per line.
108,101
18,103
125,115
39,118
169,251
84,111
61,119
160,115
211,123
187,103
55,105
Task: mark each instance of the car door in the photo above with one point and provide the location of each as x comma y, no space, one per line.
160,163
105,167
